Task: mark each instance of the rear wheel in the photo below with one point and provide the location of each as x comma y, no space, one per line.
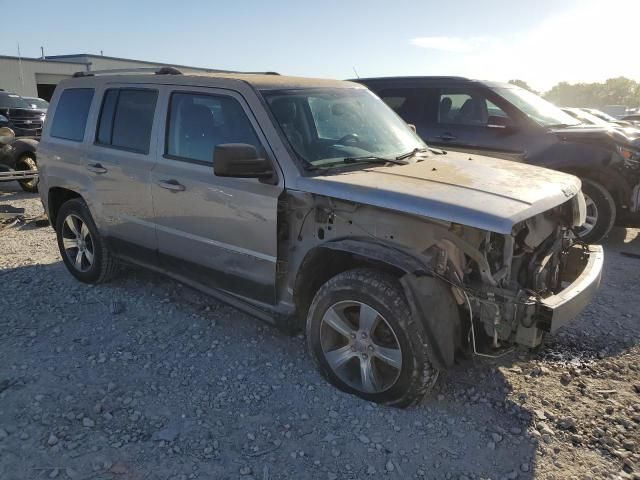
362,337
27,162
83,250
601,212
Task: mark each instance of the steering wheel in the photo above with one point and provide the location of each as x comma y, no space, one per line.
351,138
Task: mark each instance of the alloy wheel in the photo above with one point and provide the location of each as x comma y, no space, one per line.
77,242
360,346
591,218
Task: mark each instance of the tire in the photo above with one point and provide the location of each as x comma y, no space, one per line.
601,212
364,295
27,162
96,264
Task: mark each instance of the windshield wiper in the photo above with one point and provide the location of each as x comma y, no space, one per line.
374,159
413,152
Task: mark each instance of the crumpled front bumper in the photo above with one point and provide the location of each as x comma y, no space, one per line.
582,272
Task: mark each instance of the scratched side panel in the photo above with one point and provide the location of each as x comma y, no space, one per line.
218,229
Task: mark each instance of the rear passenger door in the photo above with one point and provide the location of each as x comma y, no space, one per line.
411,104
120,163
219,232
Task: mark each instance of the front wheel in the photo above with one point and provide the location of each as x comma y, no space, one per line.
363,339
601,212
27,162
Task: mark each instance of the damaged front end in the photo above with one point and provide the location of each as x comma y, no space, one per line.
526,283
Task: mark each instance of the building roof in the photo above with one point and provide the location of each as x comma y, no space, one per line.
32,59
81,56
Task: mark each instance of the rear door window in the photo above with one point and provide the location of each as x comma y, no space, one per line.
409,103
126,119
199,122
70,118
468,107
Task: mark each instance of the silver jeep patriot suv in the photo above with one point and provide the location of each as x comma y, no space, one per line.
311,204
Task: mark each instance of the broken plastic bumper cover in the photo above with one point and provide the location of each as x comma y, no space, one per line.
583,272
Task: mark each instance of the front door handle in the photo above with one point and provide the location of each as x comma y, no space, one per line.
172,185
446,136
96,168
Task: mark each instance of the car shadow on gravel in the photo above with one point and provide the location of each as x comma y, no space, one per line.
170,378
162,372
17,194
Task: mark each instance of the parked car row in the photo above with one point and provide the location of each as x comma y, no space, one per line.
312,205
509,122
23,116
633,118
620,121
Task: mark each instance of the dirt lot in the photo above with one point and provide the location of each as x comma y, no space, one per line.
146,379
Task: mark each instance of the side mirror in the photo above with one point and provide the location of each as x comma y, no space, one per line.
240,160
6,135
412,127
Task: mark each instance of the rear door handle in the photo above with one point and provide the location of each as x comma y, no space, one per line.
96,168
446,136
172,185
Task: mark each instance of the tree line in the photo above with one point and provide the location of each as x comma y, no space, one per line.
614,91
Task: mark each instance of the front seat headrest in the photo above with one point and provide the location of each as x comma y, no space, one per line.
284,109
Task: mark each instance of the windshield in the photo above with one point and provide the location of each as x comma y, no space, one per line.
538,109
13,101
37,103
325,126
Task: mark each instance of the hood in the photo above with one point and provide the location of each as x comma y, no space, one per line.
628,136
482,192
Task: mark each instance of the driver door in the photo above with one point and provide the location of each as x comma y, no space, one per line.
466,120
219,232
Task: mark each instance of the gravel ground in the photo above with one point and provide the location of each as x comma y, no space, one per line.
144,378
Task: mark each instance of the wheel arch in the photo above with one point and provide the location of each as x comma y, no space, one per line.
56,197
23,147
329,259
614,182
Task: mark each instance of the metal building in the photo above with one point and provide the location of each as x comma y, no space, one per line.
38,77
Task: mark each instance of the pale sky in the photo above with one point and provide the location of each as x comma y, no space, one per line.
542,41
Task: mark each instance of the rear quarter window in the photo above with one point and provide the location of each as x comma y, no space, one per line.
70,118
414,105
126,119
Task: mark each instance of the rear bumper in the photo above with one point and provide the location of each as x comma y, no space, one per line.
583,272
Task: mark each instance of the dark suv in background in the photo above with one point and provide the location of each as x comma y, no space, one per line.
503,120
20,115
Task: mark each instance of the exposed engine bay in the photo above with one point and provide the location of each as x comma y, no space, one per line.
529,265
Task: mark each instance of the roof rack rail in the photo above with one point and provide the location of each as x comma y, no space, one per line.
156,71
116,71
